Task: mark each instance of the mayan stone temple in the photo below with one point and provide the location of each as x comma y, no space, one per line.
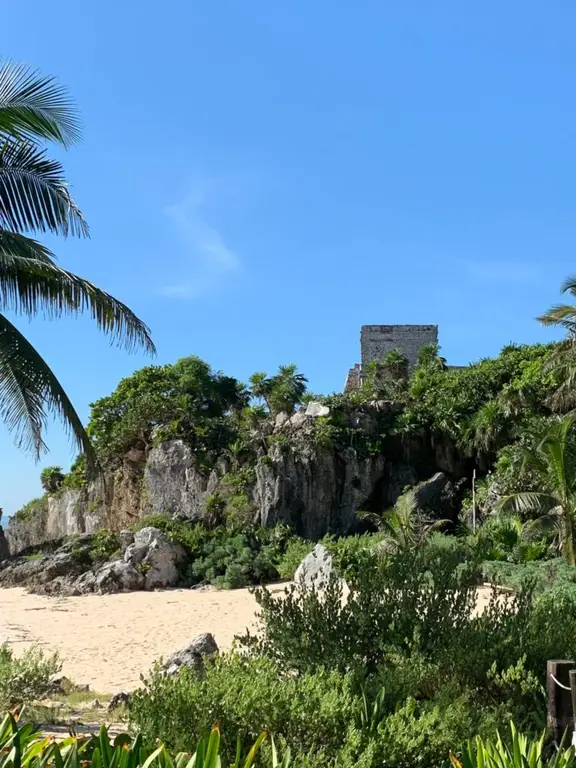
377,340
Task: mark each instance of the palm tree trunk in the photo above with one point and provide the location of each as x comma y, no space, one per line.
569,544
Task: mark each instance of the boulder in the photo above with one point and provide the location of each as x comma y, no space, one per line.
121,699
203,646
297,419
156,557
60,564
126,538
436,498
281,419
116,576
316,409
315,570
40,573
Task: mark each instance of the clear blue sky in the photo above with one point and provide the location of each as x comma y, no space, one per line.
261,178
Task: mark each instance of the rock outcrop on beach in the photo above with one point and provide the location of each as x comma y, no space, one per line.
193,656
151,561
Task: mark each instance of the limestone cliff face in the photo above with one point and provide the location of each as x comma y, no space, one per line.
314,488
315,492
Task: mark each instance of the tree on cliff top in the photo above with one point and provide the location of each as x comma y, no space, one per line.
281,392
34,197
185,400
563,362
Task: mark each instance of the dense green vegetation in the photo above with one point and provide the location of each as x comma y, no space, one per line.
456,419
25,678
399,672
22,747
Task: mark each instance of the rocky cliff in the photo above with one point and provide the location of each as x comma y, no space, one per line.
291,476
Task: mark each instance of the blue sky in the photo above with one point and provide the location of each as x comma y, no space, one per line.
261,178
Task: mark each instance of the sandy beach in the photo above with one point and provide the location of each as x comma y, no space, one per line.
109,641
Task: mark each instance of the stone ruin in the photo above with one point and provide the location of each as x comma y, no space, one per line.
377,340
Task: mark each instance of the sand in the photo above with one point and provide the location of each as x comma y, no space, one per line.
108,641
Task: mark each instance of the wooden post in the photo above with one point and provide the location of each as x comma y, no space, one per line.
560,711
572,675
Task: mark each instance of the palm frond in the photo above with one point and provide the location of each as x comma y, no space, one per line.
562,364
553,521
31,285
558,451
14,246
29,392
527,502
35,106
34,194
569,285
562,315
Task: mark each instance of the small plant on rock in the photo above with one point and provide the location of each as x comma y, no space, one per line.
51,479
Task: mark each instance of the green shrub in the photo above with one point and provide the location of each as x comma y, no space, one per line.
105,545
25,678
541,575
309,712
296,551
33,509
226,557
394,603
421,734
421,605
347,553
230,562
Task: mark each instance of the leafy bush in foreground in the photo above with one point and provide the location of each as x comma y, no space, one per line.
541,575
26,678
21,747
396,673
521,752
411,624
246,696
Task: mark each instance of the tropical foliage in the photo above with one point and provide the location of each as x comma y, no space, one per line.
22,747
521,752
281,392
553,463
186,399
400,671
35,199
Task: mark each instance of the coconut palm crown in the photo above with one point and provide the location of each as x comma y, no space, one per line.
34,198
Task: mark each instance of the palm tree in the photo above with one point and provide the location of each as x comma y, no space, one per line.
34,198
403,527
488,428
563,315
554,464
563,360
429,357
281,392
260,387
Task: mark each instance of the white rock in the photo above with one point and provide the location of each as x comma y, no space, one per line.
317,409
156,557
297,419
315,570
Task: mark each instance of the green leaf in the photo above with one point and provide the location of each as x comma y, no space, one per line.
35,106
